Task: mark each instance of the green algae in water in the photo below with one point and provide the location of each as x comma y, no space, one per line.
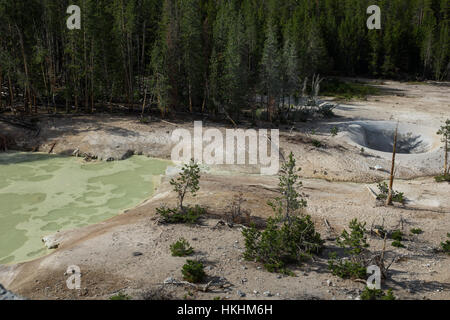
42,194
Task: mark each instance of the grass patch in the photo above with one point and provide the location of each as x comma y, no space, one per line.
398,244
398,197
120,296
347,90
416,231
397,235
174,216
376,294
443,178
446,245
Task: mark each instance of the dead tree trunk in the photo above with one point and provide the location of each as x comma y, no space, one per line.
11,92
446,171
27,92
391,181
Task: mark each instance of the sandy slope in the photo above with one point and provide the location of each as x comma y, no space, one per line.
334,179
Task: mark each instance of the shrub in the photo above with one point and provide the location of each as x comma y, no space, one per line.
181,248
334,131
316,143
120,296
376,294
416,231
290,237
193,271
443,178
173,216
397,235
235,212
281,244
355,246
346,269
398,244
446,245
398,197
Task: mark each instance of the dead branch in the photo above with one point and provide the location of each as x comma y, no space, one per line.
53,147
391,180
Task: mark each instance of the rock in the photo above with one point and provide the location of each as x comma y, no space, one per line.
241,294
267,294
8,295
244,280
127,154
170,280
255,292
76,153
137,254
329,283
51,242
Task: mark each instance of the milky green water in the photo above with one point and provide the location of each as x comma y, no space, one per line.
42,194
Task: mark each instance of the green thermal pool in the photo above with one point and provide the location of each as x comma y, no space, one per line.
42,194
